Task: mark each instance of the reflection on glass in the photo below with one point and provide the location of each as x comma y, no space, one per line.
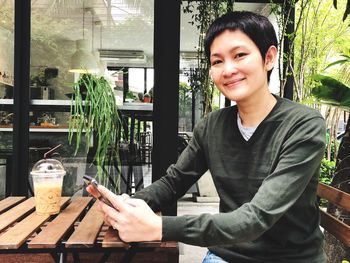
6,91
118,34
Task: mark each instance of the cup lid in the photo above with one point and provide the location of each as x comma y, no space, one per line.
47,167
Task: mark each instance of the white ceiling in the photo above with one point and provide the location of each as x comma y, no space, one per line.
127,24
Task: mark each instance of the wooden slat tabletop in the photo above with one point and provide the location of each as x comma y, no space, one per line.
88,230
112,239
16,213
52,234
9,202
23,232
17,235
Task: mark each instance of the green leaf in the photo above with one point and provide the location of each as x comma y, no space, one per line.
331,91
97,115
347,10
341,62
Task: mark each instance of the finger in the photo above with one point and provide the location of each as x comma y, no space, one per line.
112,223
109,211
116,200
92,191
115,225
107,220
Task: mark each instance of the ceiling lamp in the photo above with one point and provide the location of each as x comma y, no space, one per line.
82,60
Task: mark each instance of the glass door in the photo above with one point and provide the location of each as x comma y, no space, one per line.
6,92
70,39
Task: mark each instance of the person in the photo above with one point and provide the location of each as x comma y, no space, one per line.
264,155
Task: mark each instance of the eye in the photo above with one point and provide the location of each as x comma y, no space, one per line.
240,55
215,62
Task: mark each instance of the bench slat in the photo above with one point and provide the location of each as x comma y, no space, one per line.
17,235
16,213
87,232
55,230
9,202
336,227
334,195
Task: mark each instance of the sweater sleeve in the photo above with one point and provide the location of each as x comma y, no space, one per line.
299,161
179,177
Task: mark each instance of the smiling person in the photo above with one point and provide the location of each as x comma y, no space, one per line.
264,155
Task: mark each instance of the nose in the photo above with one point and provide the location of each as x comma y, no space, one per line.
229,68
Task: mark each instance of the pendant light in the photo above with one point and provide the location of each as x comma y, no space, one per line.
83,61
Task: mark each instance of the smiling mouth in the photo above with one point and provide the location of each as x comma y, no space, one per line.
233,82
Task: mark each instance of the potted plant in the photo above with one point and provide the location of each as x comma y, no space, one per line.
140,96
147,98
97,119
150,92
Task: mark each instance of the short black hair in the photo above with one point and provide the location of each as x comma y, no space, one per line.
257,27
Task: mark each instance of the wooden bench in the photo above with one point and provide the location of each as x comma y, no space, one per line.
333,225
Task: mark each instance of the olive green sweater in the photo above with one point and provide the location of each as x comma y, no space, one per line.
267,187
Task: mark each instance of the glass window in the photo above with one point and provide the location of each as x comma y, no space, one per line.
150,79
137,80
69,39
6,91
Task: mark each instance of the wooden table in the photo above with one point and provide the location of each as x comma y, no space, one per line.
76,234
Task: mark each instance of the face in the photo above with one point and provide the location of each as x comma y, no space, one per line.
237,68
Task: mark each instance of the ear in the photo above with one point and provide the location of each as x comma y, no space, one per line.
270,58
210,75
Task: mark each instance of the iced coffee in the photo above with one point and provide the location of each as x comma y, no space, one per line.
47,177
47,198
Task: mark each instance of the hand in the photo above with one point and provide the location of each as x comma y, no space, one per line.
133,218
95,193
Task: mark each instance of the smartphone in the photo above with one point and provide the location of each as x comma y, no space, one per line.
92,181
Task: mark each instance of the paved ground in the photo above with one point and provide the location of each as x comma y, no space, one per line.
193,254
186,205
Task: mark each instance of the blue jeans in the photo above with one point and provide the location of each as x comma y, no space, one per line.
212,258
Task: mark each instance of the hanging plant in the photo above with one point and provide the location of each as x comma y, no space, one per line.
94,116
203,15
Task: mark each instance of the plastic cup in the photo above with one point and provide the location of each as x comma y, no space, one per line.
47,177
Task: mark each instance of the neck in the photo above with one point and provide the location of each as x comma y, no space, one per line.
254,111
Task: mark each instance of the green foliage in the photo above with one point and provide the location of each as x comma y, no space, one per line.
344,60
331,91
320,34
96,118
333,148
185,101
203,13
130,95
326,172
346,13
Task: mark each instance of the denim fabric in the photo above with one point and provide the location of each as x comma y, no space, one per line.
212,258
